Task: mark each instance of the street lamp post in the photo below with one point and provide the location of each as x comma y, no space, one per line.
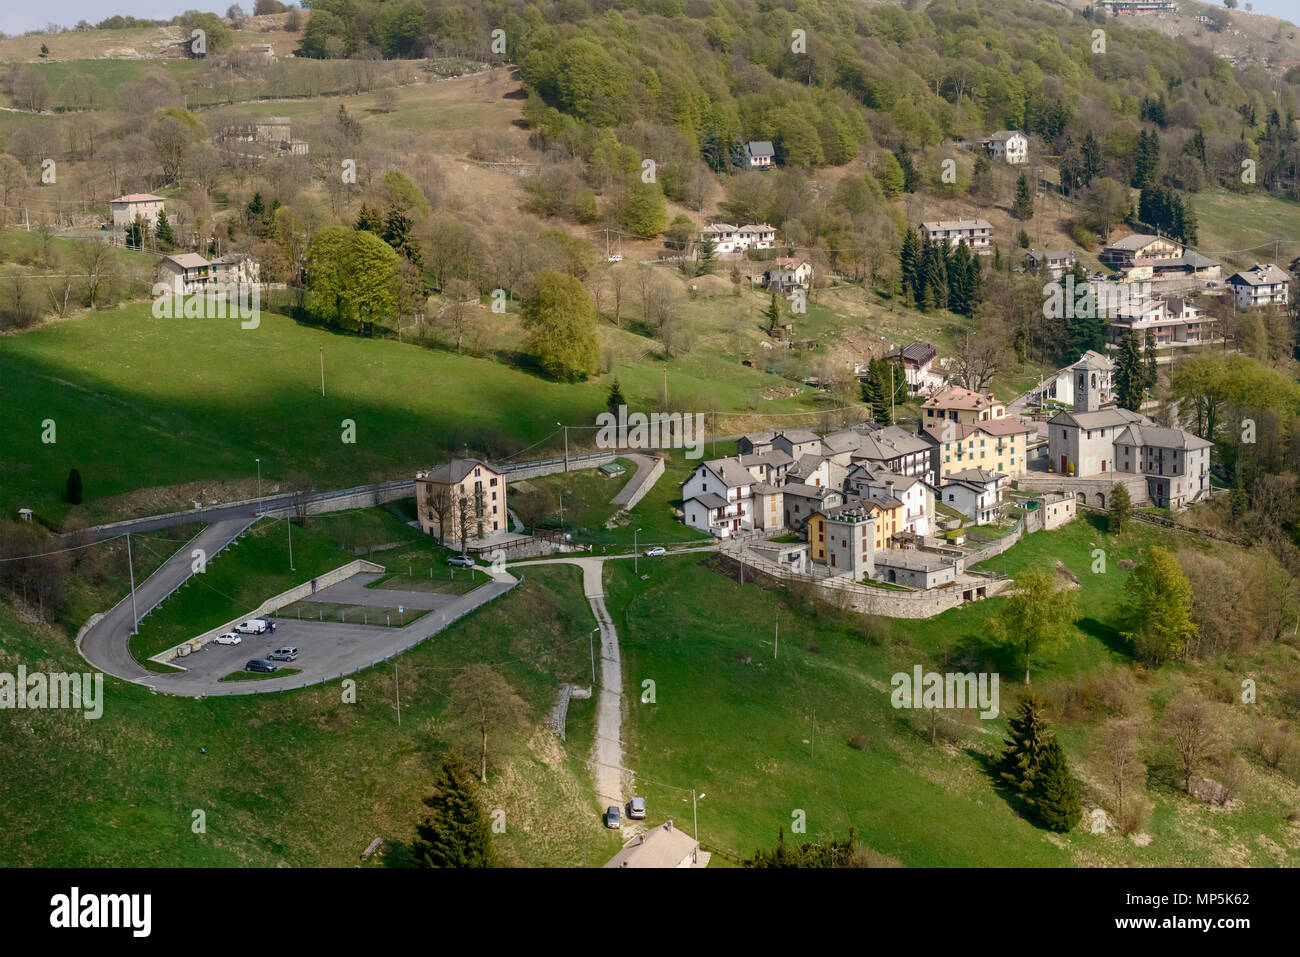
566,444
635,551
289,522
259,484
591,642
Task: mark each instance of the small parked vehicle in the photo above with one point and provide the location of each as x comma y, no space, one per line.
655,551
636,809
255,627
460,561
613,819
262,665
229,638
287,653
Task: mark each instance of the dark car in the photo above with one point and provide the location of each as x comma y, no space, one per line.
261,664
613,817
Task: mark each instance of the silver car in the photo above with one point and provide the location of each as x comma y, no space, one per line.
636,809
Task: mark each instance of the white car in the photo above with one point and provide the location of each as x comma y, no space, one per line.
229,638
616,258
654,551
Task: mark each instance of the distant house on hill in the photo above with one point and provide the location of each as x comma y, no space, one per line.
760,154
1164,320
1011,146
1139,246
917,358
1260,285
787,274
145,206
1056,261
977,234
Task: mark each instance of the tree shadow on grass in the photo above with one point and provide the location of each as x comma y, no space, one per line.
1107,635
988,766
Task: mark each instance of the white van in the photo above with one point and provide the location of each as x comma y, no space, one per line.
255,627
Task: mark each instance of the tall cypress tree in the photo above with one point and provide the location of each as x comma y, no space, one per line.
455,832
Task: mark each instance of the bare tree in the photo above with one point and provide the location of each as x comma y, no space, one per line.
1123,762
464,517
458,301
487,699
95,259
441,503
978,360
1195,735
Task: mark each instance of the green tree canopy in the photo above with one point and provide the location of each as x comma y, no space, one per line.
456,831
561,324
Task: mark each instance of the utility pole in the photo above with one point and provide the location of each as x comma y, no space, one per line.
135,619
566,444
397,684
695,817
322,372
259,484
776,642
289,522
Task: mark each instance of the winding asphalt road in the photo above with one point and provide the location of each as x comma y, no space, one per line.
328,649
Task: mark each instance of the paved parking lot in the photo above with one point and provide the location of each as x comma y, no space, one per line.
353,591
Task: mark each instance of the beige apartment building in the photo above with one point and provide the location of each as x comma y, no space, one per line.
442,492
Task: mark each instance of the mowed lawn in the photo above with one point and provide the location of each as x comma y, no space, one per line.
303,778
810,732
140,402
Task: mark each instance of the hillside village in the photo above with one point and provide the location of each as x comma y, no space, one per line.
942,345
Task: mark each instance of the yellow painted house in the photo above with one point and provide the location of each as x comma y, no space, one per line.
995,446
890,518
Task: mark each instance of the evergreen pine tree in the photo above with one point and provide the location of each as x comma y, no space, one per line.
773,315
958,268
615,398
934,275
1024,206
876,393
909,259
706,255
1054,793
1090,153
1026,738
163,229
456,831
368,220
72,492
974,283
1130,377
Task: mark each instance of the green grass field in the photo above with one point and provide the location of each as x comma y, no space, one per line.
812,729
158,402
122,791
1241,229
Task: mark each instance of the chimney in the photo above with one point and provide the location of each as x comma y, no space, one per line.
889,488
